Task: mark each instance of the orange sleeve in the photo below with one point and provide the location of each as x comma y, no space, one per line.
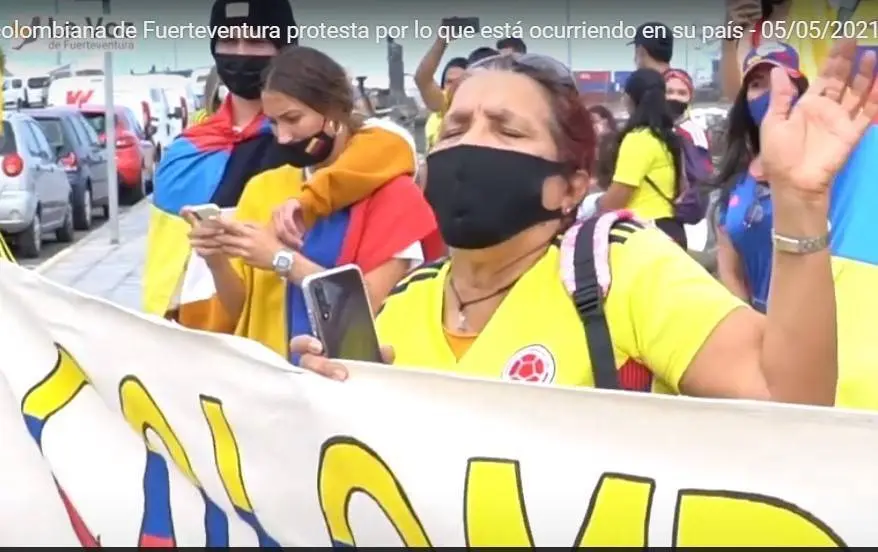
373,157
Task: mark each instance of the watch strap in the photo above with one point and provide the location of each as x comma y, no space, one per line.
799,246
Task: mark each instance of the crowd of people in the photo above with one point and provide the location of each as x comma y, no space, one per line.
485,254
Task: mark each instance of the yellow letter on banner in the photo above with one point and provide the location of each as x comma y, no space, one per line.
495,514
725,518
348,466
57,389
141,411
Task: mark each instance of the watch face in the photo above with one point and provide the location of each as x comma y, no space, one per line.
283,262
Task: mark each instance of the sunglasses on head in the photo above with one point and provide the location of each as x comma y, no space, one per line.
534,62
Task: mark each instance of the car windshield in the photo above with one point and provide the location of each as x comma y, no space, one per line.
98,121
7,139
53,131
38,82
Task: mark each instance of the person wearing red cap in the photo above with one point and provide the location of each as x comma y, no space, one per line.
679,92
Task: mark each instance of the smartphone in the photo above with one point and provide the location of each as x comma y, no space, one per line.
340,314
462,23
206,211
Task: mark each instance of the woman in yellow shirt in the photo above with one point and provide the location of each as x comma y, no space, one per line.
648,163
512,163
309,103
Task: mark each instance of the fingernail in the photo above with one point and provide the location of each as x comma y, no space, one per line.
339,374
315,347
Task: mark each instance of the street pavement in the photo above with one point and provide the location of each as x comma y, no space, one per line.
97,267
53,247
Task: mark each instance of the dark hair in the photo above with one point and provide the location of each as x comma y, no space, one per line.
313,78
480,53
458,62
517,45
646,88
740,141
604,113
572,129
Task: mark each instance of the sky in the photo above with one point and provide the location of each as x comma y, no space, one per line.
367,56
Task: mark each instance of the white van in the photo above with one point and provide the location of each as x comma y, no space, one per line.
13,92
181,99
147,100
36,90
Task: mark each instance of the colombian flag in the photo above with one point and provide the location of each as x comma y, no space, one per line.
812,52
367,234
189,174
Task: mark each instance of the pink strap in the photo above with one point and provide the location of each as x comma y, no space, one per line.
601,247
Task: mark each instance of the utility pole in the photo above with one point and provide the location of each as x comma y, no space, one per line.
110,133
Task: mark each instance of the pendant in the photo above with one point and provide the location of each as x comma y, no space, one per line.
461,322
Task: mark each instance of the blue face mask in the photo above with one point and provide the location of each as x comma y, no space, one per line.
758,107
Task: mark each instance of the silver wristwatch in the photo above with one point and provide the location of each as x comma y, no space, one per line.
799,246
282,262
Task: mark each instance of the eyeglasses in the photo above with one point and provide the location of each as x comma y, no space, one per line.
533,62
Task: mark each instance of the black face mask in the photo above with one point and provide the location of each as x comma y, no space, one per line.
677,108
242,74
310,151
483,196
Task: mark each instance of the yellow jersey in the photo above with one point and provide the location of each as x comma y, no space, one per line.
642,156
660,309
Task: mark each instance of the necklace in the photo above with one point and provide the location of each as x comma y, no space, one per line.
463,305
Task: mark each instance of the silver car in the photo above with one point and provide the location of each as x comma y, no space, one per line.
35,195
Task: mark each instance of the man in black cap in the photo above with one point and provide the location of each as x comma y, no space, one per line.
212,161
653,47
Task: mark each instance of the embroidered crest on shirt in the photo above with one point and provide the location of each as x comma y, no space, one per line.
532,364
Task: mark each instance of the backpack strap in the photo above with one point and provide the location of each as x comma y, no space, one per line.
585,270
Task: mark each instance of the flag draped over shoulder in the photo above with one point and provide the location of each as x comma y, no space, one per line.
189,174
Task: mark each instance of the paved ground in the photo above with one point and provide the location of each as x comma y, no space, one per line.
52,247
98,267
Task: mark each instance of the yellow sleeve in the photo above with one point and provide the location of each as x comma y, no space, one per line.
373,157
662,305
635,158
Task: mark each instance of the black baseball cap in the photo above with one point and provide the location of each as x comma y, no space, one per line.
657,39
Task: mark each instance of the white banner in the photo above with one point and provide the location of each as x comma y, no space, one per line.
244,450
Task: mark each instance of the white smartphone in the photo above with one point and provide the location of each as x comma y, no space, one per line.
206,211
340,314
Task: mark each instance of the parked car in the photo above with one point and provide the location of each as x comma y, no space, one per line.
135,153
35,194
77,147
148,101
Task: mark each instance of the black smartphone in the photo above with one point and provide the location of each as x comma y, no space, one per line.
462,23
340,314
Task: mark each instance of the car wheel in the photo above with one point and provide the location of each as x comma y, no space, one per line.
30,242
130,196
67,232
83,210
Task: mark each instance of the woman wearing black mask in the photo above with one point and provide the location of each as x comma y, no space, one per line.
309,103
512,162
648,163
680,91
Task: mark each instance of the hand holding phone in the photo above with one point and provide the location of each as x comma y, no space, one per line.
340,314
202,237
205,211
461,27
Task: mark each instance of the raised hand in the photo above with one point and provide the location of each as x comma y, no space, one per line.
804,146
